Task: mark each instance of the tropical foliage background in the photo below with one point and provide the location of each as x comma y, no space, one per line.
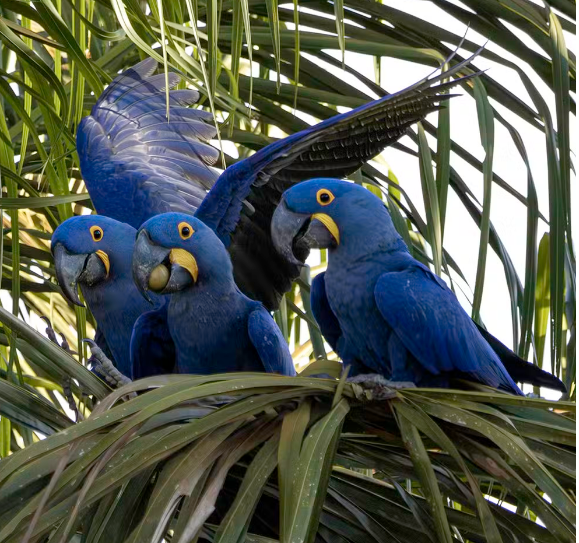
263,458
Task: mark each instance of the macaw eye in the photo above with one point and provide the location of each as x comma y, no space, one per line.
324,197
96,232
185,230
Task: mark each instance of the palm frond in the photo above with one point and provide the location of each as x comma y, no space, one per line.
191,449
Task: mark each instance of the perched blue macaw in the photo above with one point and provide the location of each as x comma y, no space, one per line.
214,327
381,310
95,253
137,164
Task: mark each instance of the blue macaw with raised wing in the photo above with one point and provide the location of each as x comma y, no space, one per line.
137,163
380,309
95,252
214,327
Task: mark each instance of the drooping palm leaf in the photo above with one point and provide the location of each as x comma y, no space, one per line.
230,449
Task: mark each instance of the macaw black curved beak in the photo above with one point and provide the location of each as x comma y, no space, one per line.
72,269
159,269
296,233
68,269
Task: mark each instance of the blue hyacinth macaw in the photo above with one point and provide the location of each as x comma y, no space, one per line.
95,253
381,310
213,326
137,164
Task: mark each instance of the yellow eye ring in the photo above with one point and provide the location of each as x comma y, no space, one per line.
324,197
96,232
185,230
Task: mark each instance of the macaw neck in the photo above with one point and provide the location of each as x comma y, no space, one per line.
359,241
215,287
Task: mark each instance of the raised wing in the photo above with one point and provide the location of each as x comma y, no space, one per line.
333,148
135,161
427,318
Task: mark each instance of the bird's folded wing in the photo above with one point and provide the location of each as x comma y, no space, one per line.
152,348
136,161
271,346
431,324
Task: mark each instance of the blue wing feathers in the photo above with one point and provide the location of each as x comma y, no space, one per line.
427,318
190,130
136,164
267,339
385,119
139,103
152,348
146,85
130,77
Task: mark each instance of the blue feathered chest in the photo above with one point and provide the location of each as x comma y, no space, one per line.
350,291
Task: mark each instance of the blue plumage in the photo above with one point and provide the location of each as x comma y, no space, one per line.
95,253
380,309
323,312
152,349
213,326
137,163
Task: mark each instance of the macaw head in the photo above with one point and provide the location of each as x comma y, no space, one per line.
330,214
90,250
176,251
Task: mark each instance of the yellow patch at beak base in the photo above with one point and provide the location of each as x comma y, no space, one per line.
105,259
186,260
329,223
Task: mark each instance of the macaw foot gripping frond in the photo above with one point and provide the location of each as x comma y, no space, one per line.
105,367
66,388
67,391
50,333
379,387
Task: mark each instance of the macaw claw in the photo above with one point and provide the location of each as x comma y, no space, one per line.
379,387
105,367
